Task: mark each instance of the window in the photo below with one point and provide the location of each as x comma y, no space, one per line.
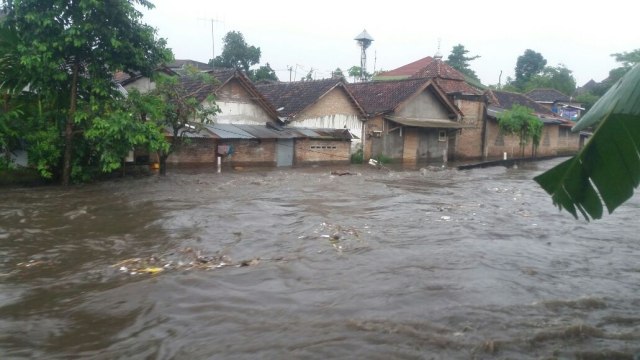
442,135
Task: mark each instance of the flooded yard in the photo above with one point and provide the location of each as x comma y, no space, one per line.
303,264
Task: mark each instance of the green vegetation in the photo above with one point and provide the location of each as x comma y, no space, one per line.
67,51
521,121
382,159
357,157
459,60
607,169
237,54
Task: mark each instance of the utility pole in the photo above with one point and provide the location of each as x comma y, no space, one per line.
290,68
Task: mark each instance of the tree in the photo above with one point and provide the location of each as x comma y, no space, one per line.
607,168
264,72
529,64
236,53
356,73
559,78
459,60
71,48
183,111
338,73
521,121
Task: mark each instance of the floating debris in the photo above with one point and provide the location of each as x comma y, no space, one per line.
184,260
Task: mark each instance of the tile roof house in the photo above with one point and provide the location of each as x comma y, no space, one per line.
135,80
409,120
448,78
239,100
557,102
319,104
467,143
557,138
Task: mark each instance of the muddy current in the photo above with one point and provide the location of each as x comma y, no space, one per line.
303,264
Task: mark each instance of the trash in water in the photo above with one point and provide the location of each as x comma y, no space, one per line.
184,259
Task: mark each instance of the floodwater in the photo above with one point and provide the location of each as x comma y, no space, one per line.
302,264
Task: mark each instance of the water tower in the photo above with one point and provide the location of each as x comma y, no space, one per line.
364,41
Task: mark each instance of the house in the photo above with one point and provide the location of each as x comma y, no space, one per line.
319,104
411,120
557,102
466,143
557,138
262,145
248,130
237,97
128,81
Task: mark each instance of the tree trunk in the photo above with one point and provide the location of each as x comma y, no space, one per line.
68,131
163,164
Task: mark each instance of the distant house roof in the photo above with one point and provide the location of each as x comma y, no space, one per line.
385,96
124,78
500,101
448,78
291,98
181,64
409,69
222,76
547,96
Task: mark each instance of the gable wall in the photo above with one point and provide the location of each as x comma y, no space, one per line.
332,111
238,107
143,85
424,106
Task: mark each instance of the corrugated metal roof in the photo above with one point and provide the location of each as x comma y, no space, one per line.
190,132
228,131
429,123
264,132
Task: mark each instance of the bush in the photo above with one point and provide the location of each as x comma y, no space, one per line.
357,157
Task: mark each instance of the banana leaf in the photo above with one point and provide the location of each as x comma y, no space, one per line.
607,168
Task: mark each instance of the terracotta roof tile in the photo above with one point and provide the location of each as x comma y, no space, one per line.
293,97
383,96
506,100
409,69
438,69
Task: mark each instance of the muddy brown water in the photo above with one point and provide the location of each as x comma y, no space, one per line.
302,264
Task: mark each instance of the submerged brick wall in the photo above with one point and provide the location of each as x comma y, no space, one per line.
321,151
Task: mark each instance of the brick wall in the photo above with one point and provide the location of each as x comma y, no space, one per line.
321,151
469,140
195,151
250,152
372,125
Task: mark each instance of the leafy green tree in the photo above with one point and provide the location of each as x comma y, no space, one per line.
264,72
558,77
521,121
237,53
127,125
183,112
71,48
459,60
529,64
607,168
355,72
337,73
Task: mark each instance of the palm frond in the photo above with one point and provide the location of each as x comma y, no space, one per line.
607,168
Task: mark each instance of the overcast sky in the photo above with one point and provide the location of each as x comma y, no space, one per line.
319,35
